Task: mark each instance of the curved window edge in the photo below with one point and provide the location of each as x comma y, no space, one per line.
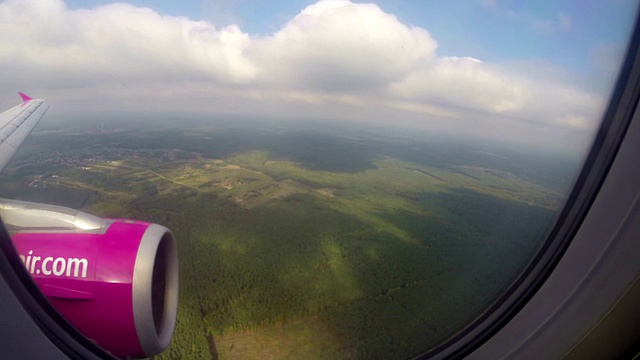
616,121
605,148
593,295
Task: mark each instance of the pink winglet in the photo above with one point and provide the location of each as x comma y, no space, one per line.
24,96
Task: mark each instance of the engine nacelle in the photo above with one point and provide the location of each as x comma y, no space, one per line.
115,280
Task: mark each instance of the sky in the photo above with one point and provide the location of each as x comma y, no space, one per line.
537,73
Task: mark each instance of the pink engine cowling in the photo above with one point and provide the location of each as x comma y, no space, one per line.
115,280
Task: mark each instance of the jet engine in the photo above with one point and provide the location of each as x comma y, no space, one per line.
115,280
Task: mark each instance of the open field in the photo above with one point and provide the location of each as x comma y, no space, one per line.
301,243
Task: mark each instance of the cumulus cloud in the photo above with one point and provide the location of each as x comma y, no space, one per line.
118,41
335,58
469,85
449,80
338,45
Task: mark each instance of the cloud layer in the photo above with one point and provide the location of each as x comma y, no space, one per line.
334,59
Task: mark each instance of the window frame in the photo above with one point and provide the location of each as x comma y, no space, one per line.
613,142
621,111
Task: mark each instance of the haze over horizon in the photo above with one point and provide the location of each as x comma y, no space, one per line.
441,67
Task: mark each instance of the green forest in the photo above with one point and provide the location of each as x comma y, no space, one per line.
302,243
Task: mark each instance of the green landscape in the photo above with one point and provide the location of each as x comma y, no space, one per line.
309,241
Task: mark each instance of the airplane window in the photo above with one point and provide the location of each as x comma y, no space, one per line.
330,179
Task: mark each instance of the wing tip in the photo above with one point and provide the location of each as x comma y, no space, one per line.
24,96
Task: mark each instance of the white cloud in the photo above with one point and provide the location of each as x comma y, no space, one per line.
473,87
117,42
341,46
463,83
334,59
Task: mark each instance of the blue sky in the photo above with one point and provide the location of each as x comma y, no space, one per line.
537,72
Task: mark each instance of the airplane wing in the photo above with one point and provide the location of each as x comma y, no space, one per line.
130,295
16,124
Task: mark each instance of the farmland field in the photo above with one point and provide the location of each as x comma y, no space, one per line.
299,242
